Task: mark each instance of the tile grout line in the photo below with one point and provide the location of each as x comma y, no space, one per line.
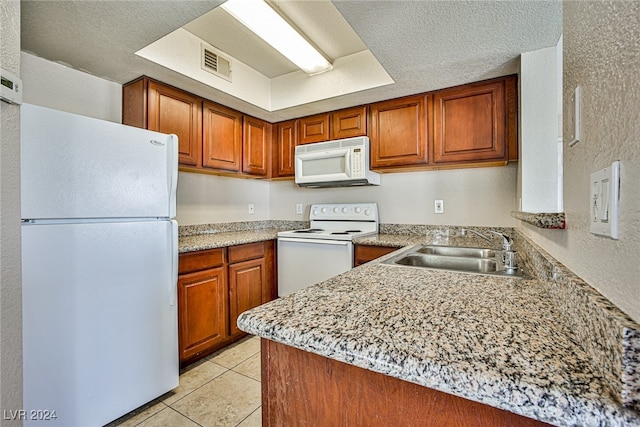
243,420
193,421
199,387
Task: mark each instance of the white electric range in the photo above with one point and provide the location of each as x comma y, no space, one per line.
324,250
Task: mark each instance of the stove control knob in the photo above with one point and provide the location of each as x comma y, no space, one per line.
315,212
336,210
358,210
344,210
367,212
324,210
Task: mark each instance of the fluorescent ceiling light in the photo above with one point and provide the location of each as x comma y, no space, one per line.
267,24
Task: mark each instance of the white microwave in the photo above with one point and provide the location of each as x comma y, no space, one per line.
339,163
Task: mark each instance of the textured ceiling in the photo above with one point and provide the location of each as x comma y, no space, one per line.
423,45
320,21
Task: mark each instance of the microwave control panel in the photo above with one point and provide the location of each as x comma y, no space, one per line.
356,164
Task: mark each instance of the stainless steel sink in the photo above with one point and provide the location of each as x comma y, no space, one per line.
457,251
453,258
479,265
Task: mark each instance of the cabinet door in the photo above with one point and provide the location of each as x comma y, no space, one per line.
285,147
221,137
256,146
246,281
398,132
349,122
270,288
313,129
202,308
173,111
469,123
364,253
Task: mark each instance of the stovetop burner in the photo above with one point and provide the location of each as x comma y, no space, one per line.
309,230
347,232
343,221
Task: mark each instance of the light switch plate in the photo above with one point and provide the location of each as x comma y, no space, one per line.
574,116
605,195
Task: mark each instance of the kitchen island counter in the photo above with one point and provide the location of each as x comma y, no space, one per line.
500,341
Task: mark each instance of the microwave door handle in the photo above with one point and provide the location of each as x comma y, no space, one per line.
347,163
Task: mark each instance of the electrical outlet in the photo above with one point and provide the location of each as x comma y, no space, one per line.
299,210
251,209
438,206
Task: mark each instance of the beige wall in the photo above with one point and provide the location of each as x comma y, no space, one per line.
10,276
602,55
481,196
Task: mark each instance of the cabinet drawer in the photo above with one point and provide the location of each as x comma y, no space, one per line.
200,260
246,252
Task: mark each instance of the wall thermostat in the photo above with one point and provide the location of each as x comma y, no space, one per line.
10,88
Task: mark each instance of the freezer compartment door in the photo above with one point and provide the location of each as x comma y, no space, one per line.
305,262
79,167
100,330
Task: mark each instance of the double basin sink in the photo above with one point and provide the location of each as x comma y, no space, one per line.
454,258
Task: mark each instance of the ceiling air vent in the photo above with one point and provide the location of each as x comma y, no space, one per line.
215,63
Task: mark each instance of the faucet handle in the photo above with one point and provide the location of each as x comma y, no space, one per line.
506,240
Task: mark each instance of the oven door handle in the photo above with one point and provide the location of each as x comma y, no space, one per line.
318,241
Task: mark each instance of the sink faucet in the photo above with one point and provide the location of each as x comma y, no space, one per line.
508,255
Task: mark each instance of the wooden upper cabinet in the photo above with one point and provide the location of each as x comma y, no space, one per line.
313,129
286,138
221,137
471,123
349,122
511,104
398,133
152,105
256,146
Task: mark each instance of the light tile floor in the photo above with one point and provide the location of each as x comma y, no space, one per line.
220,390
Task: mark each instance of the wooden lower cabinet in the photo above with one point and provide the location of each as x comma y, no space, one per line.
214,287
202,317
301,388
251,277
365,253
202,302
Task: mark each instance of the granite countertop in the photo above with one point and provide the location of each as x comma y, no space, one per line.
199,242
501,341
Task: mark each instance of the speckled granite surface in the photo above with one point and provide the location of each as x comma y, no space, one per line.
542,220
209,236
608,335
551,349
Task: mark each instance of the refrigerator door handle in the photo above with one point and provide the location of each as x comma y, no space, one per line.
174,262
172,159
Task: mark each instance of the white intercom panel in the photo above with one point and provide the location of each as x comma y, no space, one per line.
605,195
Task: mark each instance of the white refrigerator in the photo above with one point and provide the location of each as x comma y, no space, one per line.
99,267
